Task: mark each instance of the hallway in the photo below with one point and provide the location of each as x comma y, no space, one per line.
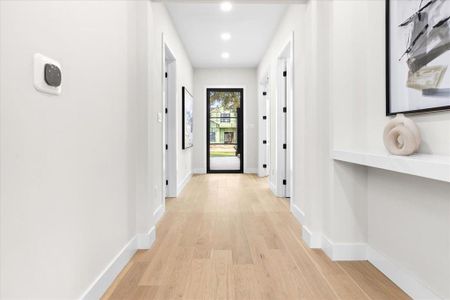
233,149
227,237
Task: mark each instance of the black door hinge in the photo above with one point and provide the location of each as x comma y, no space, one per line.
264,117
166,75
284,146
167,147
284,73
167,182
264,142
166,110
284,182
285,109
265,166
264,93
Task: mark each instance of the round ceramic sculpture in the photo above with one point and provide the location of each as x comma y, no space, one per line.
402,136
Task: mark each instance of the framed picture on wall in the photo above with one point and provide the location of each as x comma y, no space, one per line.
417,56
188,119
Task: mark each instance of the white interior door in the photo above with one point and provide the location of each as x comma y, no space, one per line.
264,130
284,122
282,145
286,144
170,123
166,124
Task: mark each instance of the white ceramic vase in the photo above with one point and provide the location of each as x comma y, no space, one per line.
401,136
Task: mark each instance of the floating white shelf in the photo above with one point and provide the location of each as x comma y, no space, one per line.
423,165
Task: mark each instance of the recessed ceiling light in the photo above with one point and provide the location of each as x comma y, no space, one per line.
225,36
226,6
225,55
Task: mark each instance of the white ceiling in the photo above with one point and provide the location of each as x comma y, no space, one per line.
251,26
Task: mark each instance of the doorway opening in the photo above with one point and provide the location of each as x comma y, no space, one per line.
225,138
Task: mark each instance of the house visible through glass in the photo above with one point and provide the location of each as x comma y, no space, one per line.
223,130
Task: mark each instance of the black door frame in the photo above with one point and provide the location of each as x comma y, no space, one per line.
240,129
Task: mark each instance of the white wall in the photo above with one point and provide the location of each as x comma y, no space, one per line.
69,169
163,26
417,213
310,121
242,78
292,23
80,173
340,104
346,208
408,218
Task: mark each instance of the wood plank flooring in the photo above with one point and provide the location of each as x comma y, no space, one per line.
228,237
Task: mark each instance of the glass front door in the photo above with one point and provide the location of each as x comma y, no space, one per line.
225,151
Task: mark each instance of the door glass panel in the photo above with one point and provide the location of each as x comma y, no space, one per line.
224,145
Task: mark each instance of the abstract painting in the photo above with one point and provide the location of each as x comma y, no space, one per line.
188,119
418,56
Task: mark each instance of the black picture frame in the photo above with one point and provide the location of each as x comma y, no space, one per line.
240,132
388,72
184,91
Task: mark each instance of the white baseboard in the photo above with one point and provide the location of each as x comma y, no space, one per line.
251,170
106,278
159,213
298,213
361,251
408,282
335,251
344,251
262,174
141,241
273,187
199,171
404,279
313,240
146,240
183,183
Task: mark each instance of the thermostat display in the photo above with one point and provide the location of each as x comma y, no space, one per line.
52,75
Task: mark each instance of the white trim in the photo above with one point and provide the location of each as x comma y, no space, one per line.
404,279
146,240
107,276
183,183
335,251
313,240
250,170
344,251
273,188
199,171
298,213
159,213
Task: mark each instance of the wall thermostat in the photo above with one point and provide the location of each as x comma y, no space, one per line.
47,75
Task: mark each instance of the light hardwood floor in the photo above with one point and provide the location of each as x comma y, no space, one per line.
228,237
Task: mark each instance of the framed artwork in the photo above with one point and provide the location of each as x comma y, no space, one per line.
417,56
188,119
